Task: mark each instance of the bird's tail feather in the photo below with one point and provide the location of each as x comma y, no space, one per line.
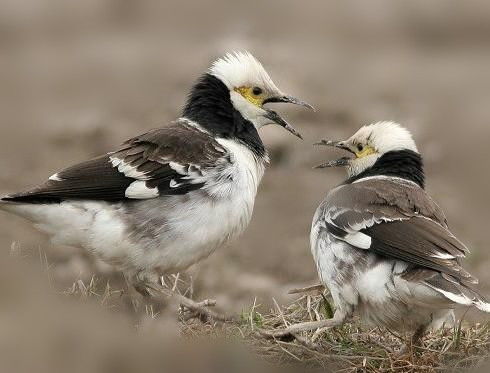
4,198
3,202
458,292
482,305
6,203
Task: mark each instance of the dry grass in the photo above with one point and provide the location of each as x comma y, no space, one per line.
350,348
94,311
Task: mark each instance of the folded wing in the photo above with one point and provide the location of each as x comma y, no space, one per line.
396,219
166,161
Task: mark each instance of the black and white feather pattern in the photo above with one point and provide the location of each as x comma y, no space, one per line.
379,242
159,203
167,161
395,218
168,198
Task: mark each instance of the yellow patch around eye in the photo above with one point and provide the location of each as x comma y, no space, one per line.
368,150
247,93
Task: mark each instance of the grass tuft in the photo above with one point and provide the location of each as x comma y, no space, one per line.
353,348
349,348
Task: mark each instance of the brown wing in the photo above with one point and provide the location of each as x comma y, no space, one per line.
421,242
396,219
165,161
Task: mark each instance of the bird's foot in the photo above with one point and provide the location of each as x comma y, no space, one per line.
191,309
408,349
134,299
405,351
412,345
143,295
293,330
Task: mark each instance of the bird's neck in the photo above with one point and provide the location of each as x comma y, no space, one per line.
209,104
405,164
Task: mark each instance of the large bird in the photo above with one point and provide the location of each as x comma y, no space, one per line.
168,198
382,246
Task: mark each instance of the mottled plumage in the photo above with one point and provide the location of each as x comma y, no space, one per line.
381,244
168,198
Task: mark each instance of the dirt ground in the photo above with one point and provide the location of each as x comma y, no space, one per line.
78,78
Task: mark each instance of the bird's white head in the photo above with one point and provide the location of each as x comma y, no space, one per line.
250,88
369,144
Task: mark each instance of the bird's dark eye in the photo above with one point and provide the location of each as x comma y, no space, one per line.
257,91
360,147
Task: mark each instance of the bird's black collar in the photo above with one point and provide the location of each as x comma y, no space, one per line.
209,104
405,164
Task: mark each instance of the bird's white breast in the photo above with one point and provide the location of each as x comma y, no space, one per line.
168,233
207,221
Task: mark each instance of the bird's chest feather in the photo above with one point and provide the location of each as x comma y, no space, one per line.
242,174
208,218
232,195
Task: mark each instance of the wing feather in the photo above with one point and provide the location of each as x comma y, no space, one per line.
401,221
165,161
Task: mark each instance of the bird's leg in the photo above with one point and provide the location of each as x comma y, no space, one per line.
137,293
157,293
144,293
314,289
414,340
132,295
201,310
338,319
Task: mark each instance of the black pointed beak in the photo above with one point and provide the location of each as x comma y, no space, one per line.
276,118
336,144
341,162
288,100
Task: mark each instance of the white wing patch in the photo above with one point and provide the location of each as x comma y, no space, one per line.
177,167
139,190
358,239
128,170
174,184
55,177
191,172
353,236
443,255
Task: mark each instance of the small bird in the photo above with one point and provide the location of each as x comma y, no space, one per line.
168,198
382,246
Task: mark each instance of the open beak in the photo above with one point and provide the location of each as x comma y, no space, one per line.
288,100
341,162
276,118
336,144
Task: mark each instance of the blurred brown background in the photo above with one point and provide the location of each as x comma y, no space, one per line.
78,78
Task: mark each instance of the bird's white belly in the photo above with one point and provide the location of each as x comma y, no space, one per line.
371,286
95,226
191,237
215,216
159,238
167,234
